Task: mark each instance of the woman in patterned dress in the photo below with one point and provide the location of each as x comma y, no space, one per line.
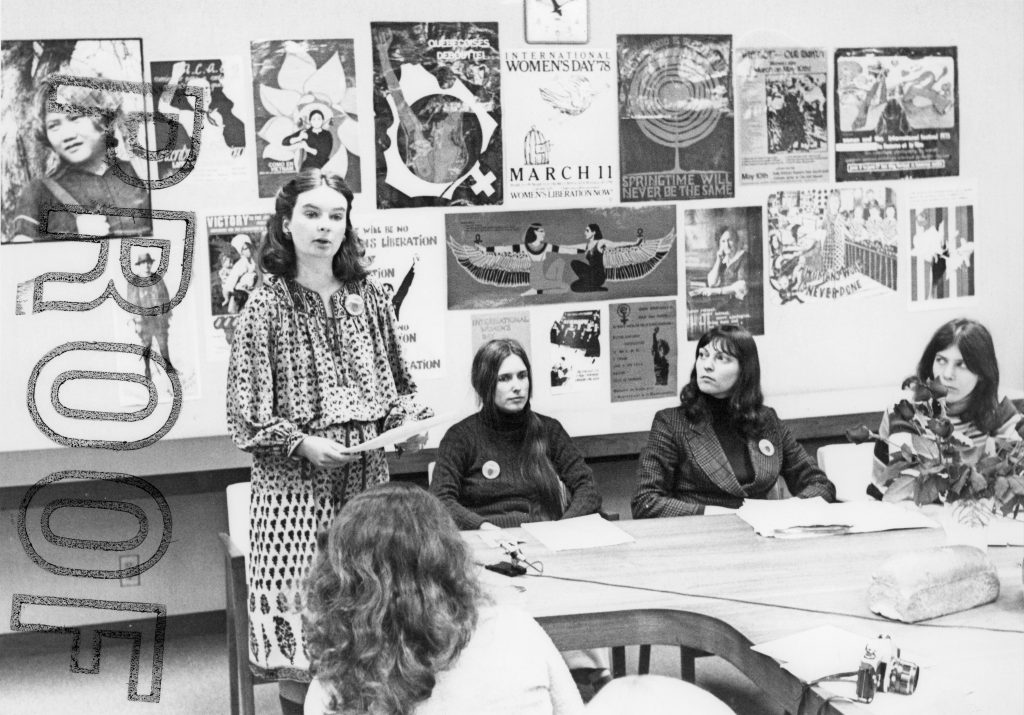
315,366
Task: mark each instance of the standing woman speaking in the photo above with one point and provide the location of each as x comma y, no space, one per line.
315,366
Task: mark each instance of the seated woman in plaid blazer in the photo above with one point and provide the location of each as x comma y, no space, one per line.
721,445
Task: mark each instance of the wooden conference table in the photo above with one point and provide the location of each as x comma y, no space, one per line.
744,589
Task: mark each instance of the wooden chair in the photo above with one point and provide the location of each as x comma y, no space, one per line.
236,545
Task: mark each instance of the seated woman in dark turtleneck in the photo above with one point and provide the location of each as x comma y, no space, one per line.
507,465
722,445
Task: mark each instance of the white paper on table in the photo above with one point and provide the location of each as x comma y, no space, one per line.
1003,531
581,532
399,434
817,652
773,517
496,537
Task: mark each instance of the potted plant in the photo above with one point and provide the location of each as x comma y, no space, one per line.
940,465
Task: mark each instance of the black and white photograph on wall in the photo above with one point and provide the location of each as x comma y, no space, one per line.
644,350
575,350
556,22
222,156
675,117
724,269
559,124
783,109
942,246
437,113
407,258
537,257
233,243
170,333
513,324
306,111
67,139
831,244
896,113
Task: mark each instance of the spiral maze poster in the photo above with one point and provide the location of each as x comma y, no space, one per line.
437,108
676,118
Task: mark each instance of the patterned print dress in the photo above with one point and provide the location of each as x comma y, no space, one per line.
296,372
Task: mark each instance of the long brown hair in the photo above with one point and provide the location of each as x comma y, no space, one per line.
534,450
277,252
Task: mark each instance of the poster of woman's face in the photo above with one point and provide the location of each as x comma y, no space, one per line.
67,140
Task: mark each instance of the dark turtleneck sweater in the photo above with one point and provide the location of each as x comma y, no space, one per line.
477,446
734,444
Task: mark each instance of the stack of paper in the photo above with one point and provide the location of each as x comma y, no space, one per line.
583,532
795,518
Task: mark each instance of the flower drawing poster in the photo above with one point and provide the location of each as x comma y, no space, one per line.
437,112
675,117
897,113
560,125
304,93
724,283
516,258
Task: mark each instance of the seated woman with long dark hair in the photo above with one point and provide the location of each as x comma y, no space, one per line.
961,358
506,464
398,623
722,445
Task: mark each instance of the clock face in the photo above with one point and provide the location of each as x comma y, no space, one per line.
556,21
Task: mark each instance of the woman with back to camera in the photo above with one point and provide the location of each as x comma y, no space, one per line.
316,367
507,465
962,358
722,445
399,623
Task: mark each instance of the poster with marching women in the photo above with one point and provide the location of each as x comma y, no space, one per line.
517,258
574,357
896,113
437,112
307,117
407,257
724,269
559,125
223,155
675,117
828,244
783,109
233,242
644,349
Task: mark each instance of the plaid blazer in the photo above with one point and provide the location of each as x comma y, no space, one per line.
683,468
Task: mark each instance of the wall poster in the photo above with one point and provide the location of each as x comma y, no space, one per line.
644,350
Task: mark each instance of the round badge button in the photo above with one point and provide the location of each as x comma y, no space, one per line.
490,470
354,304
766,447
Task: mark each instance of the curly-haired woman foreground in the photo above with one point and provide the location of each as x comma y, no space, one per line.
398,623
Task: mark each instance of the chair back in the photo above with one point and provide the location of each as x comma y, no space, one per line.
849,467
238,495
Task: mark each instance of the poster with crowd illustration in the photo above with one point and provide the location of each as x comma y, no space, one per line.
832,244
304,92
783,111
535,257
437,110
